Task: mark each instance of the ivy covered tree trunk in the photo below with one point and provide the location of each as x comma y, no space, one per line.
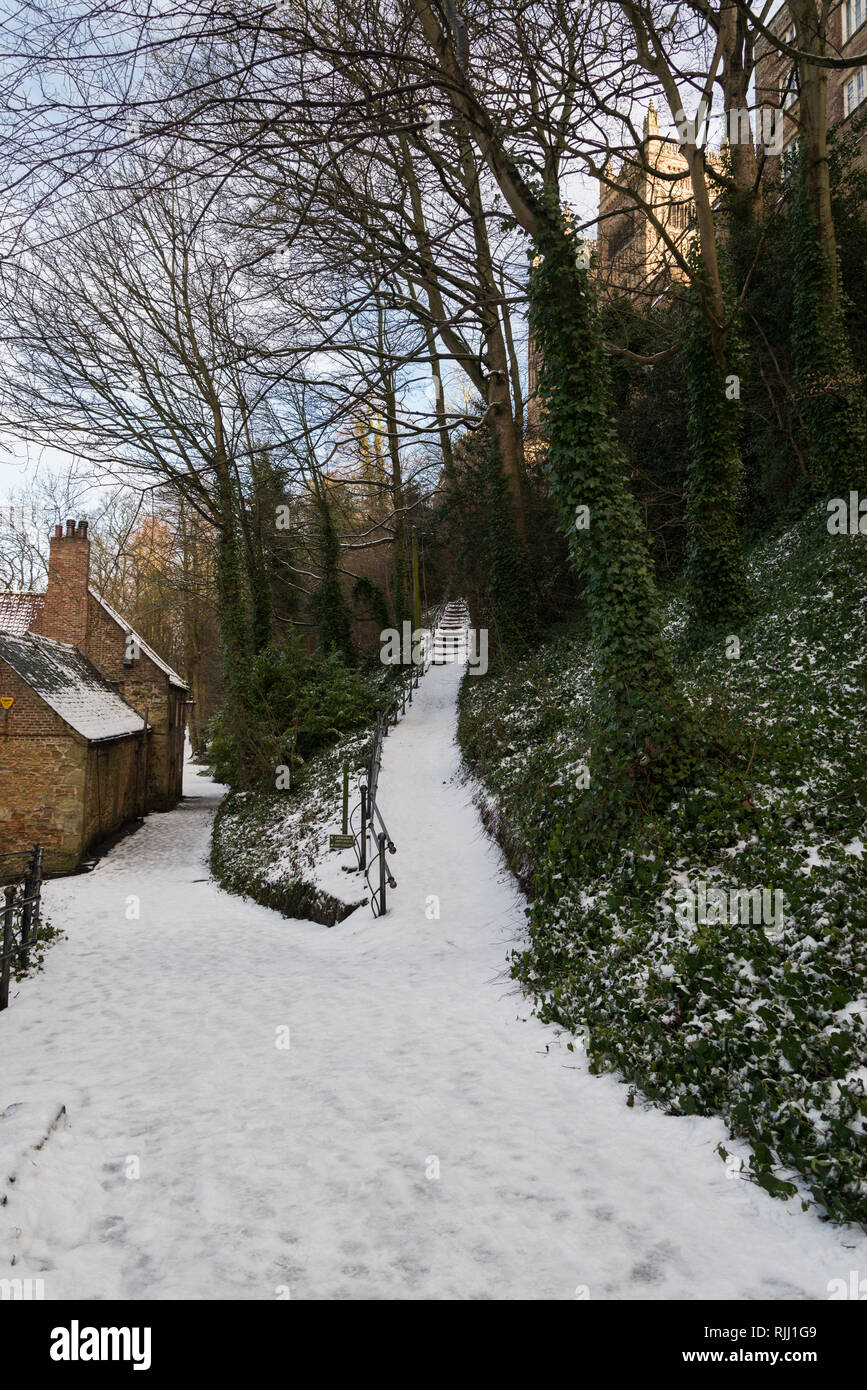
267,552
715,562
831,394
331,611
643,718
512,594
233,617
716,567
195,583
400,544
811,18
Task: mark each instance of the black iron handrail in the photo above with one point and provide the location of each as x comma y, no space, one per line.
20,920
368,806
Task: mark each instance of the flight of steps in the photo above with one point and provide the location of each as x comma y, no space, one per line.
451,636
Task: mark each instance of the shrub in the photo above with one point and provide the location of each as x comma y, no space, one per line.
299,703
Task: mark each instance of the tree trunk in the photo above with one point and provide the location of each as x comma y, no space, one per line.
811,24
737,72
498,382
399,566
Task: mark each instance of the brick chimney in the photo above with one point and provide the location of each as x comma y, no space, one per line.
64,614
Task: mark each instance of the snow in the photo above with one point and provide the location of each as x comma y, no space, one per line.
17,612
308,1171
70,685
814,860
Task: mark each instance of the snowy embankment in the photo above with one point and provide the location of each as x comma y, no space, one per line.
713,951
274,847
263,1108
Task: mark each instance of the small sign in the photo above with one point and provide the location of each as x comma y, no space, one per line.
341,841
7,701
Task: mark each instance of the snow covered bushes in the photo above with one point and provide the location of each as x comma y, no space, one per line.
270,840
763,1022
273,846
297,704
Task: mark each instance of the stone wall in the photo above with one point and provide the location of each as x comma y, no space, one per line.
115,776
42,778
146,687
55,788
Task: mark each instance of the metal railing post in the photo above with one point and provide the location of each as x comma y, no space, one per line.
382,872
27,906
8,938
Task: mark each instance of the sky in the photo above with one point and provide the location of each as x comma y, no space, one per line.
18,464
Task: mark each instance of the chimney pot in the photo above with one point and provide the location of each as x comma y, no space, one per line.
70,528
81,531
58,532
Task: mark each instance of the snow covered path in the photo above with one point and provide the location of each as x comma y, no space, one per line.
306,1171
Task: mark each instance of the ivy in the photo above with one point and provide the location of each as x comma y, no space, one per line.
512,595
715,565
830,389
642,740
758,1023
329,606
367,592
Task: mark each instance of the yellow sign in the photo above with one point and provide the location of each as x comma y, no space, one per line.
7,701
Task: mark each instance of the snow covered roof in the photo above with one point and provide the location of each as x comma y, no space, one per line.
71,686
174,678
17,611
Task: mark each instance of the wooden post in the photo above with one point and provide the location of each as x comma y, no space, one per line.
8,939
362,854
345,798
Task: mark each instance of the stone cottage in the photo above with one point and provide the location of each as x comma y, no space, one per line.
92,720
